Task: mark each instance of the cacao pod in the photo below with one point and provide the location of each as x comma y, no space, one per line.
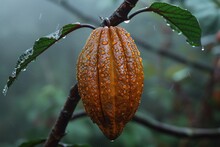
110,78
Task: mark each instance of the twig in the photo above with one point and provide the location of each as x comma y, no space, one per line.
121,14
174,56
181,132
140,42
58,130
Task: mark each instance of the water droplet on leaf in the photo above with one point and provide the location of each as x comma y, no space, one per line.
179,33
5,90
77,23
126,21
105,42
13,74
168,24
24,69
56,35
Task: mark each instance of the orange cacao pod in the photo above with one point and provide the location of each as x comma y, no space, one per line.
110,79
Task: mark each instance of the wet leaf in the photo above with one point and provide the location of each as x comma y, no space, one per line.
39,47
180,20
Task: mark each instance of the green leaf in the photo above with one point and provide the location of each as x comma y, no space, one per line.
39,47
179,20
32,143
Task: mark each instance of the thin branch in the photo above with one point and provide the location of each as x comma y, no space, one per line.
174,56
66,5
59,128
181,132
140,42
121,13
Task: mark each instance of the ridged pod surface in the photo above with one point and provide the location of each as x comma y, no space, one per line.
110,78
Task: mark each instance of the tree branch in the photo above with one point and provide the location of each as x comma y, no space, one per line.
181,132
121,14
58,130
139,41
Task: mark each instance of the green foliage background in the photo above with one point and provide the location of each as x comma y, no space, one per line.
174,93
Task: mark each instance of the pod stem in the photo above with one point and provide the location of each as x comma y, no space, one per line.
121,14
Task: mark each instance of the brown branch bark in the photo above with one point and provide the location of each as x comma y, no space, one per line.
59,128
181,132
121,14
139,41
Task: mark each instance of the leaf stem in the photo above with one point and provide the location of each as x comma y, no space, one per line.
88,26
138,12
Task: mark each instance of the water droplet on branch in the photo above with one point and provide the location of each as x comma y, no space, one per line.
126,21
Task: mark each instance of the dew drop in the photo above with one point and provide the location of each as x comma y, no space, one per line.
56,35
179,33
29,52
13,74
77,23
5,90
64,37
128,35
113,43
24,69
203,48
126,21
112,140
168,24
105,42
